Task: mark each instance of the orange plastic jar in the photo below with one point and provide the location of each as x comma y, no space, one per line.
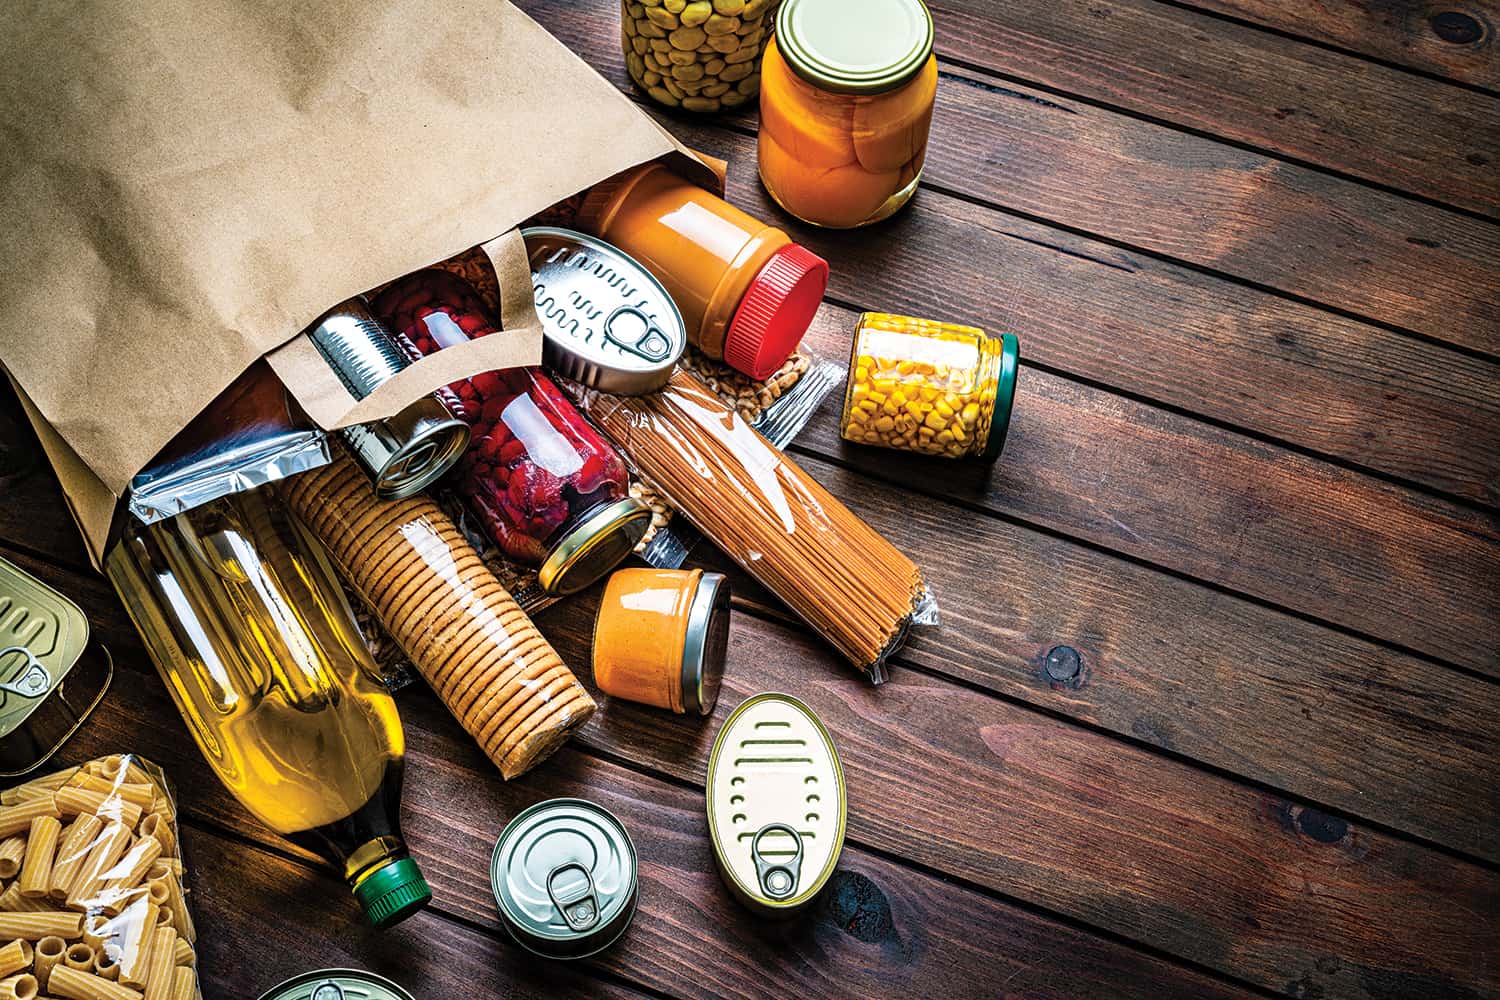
747,292
661,637
846,97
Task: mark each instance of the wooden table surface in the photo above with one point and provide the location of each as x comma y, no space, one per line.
1250,492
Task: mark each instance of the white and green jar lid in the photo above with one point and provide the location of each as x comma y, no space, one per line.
855,46
564,874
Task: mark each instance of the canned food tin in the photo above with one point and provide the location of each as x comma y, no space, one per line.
564,875
776,804
337,984
50,677
404,453
606,321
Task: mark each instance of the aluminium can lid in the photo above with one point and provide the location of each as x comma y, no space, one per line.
855,46
606,321
706,644
337,984
42,635
564,874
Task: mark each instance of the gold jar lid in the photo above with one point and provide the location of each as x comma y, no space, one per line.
599,543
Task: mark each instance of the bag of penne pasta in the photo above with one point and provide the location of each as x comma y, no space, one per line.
94,906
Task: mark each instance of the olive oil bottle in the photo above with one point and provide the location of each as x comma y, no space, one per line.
248,626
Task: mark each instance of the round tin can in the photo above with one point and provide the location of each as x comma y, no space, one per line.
606,321
337,984
776,804
564,875
404,453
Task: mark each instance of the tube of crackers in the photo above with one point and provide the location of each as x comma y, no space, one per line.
459,627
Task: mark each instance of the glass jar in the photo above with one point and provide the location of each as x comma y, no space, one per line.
249,628
929,387
699,55
549,490
845,106
747,293
661,638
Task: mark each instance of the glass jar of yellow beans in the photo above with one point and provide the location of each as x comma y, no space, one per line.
929,387
697,55
846,98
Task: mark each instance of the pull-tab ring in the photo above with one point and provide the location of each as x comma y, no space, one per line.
778,879
653,345
328,991
579,909
34,680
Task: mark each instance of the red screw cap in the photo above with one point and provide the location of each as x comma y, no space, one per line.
776,311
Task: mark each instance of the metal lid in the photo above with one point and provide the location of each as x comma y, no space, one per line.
594,547
707,644
564,875
402,454
1005,395
606,321
337,984
408,452
776,803
42,635
855,46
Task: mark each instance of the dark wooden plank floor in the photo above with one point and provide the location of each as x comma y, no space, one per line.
1252,484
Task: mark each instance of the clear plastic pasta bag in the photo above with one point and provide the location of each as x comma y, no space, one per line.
94,905
836,572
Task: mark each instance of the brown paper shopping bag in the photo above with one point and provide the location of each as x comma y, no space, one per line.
186,184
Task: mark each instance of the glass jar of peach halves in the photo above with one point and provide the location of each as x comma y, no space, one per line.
847,88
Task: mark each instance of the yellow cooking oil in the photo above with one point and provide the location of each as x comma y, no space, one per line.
248,626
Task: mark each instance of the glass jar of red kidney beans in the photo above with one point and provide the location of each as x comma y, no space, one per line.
548,488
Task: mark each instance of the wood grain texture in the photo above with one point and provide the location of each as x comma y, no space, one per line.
1339,112
1244,882
880,929
1273,223
1238,880
1153,329
263,919
1451,39
1206,502
1343,721
1338,720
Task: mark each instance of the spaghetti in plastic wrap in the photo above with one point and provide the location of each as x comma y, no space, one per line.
95,907
835,571
443,606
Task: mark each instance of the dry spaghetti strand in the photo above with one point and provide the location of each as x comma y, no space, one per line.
844,579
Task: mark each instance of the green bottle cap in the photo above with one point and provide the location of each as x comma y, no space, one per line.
1005,395
854,46
390,894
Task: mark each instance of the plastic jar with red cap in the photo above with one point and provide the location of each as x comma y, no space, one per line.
747,292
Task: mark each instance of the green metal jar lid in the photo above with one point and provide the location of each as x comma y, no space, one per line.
337,984
1005,395
855,46
393,893
564,875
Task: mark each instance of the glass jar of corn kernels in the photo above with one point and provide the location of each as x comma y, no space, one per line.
928,387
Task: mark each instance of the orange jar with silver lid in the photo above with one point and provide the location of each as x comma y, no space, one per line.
846,96
661,638
747,293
